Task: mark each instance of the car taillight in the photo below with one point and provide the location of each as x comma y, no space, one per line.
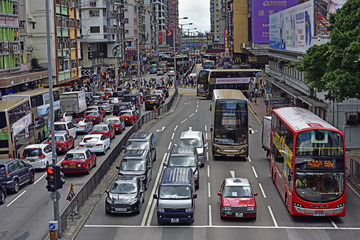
42,156
81,145
61,145
22,156
84,165
99,144
67,131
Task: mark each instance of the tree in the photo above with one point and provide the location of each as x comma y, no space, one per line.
334,67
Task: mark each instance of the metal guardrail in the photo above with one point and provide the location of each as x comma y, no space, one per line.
84,193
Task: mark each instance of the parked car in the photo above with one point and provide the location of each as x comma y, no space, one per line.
142,140
137,163
2,194
63,142
126,195
196,139
14,173
78,161
185,157
105,129
130,116
237,199
65,127
84,126
96,143
117,123
38,155
95,117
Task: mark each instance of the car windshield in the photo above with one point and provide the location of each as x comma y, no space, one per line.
182,161
237,192
92,114
58,138
138,145
123,188
125,114
151,98
113,121
32,152
100,128
72,156
91,139
133,165
60,127
175,192
187,142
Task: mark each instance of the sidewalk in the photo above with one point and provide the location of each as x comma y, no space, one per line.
259,107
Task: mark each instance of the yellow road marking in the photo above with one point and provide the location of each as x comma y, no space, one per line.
255,116
358,194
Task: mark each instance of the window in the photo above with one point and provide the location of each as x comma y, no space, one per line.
94,13
22,24
126,20
95,29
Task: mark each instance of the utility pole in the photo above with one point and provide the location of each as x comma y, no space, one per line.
138,58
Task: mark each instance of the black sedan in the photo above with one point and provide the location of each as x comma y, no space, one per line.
126,195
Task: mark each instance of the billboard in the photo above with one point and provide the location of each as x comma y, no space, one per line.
277,30
261,10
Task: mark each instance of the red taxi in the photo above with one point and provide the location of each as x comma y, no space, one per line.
63,142
117,123
93,116
130,116
78,161
96,108
237,199
105,129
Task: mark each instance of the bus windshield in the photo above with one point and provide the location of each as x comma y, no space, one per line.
230,124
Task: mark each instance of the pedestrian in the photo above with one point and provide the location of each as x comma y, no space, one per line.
256,91
262,91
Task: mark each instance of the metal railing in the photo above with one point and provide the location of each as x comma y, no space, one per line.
84,193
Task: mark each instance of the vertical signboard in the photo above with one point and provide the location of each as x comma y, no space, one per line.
160,36
261,10
226,41
277,30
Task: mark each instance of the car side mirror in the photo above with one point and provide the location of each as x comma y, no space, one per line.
195,195
149,166
117,167
206,145
165,164
142,190
255,194
107,192
155,196
220,194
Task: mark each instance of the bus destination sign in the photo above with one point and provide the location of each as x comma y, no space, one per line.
321,164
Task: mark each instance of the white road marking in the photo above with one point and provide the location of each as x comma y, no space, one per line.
262,190
184,120
232,173
175,128
169,146
210,218
172,137
249,159
206,136
160,130
153,191
254,171
205,128
191,115
16,198
196,110
190,128
40,178
224,227
209,194
151,213
273,217
207,156
208,171
335,226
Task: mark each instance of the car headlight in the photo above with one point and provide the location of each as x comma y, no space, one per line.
189,210
109,200
251,209
160,209
217,149
226,208
133,201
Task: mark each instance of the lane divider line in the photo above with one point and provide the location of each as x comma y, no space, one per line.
249,159
176,127
169,146
205,128
151,213
210,218
191,115
206,136
207,156
196,110
184,120
262,190
172,137
208,171
232,173
209,194
16,198
254,171
273,217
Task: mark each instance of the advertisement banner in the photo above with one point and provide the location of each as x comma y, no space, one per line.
232,80
160,37
114,50
261,10
21,124
277,30
298,24
323,9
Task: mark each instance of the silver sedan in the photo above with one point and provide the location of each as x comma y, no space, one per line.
84,126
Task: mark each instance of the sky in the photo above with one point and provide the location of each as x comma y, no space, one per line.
198,13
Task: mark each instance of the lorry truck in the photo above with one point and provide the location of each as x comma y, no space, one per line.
74,102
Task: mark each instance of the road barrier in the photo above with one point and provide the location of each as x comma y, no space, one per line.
84,193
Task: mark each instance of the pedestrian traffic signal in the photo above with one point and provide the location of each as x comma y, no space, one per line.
58,178
50,179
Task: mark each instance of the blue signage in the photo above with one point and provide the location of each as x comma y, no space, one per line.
52,226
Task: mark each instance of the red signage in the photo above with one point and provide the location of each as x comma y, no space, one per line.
169,32
160,36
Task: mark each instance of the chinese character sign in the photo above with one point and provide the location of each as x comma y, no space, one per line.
261,10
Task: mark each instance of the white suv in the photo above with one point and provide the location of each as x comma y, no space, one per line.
65,127
38,155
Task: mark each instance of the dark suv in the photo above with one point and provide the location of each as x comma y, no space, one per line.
141,141
14,173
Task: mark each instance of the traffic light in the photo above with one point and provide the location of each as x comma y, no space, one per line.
58,178
50,179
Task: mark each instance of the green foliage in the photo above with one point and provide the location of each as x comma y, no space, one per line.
334,67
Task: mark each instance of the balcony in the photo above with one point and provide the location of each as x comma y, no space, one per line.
63,75
64,10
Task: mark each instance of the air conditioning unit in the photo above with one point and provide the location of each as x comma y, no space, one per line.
15,48
6,45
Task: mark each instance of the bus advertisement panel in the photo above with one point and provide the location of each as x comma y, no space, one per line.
308,163
245,80
230,129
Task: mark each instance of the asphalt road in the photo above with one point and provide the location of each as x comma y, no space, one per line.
273,221
26,215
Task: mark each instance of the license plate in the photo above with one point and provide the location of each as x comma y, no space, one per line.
238,214
319,213
32,160
230,155
151,102
174,220
120,209
72,165
89,146
90,118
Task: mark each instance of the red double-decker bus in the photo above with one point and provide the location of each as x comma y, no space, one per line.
308,163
